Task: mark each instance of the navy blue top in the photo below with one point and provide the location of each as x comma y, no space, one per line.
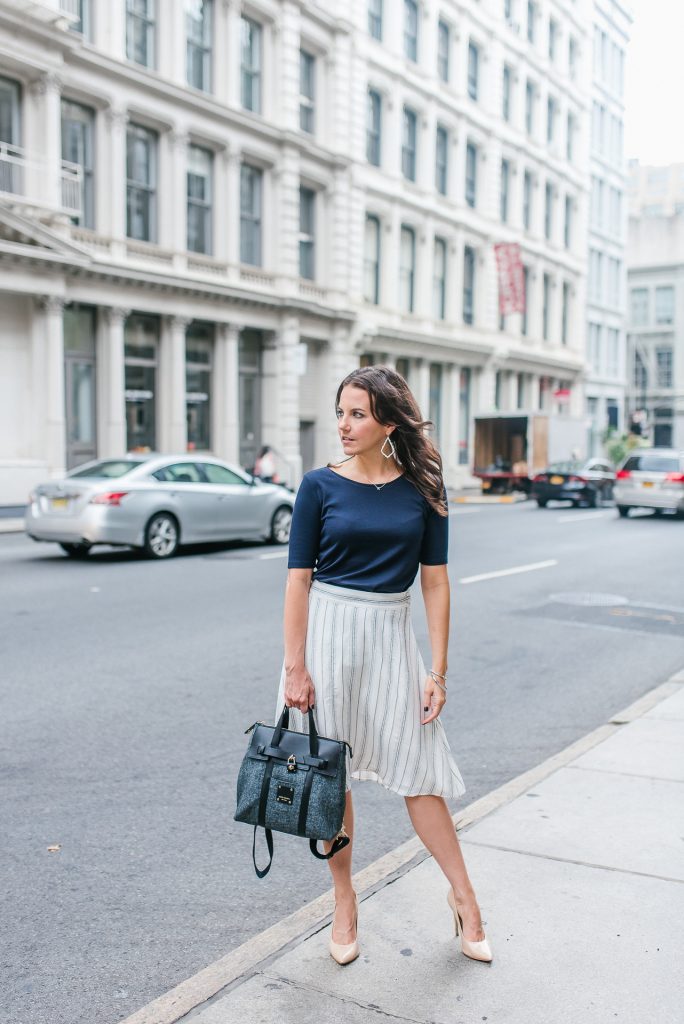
357,536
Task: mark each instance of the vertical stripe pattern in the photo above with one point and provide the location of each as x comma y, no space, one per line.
368,675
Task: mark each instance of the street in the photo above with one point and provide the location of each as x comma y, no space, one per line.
127,686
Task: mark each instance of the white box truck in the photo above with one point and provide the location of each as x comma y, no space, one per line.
511,448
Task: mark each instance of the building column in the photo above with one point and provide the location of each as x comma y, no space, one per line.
43,141
450,418
111,383
286,405
486,386
421,386
52,309
172,421
226,425
111,195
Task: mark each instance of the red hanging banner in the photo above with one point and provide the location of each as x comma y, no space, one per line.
509,267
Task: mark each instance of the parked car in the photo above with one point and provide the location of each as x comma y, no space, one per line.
651,478
157,502
590,481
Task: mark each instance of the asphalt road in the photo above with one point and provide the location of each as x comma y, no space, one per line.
126,687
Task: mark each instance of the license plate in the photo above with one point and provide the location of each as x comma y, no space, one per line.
556,480
60,502
647,483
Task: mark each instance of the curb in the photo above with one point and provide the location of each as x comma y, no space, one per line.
242,963
11,525
491,499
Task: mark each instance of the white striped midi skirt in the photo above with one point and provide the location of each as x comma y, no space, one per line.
368,674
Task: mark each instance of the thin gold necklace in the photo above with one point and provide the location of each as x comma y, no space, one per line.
379,487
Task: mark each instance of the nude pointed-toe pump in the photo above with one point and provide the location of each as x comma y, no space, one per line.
475,950
344,953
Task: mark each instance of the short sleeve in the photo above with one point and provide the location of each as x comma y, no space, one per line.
305,530
435,547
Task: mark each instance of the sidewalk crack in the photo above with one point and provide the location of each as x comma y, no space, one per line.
348,999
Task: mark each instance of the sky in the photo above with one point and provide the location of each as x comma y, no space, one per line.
654,87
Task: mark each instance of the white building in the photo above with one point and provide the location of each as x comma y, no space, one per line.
606,375
656,327
655,191
210,212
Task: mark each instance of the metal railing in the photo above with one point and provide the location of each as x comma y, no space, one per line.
23,175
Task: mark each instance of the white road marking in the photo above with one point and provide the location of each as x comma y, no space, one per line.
275,554
581,517
508,572
462,511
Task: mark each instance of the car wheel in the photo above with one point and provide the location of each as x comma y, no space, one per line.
76,550
624,510
541,502
592,499
162,535
280,525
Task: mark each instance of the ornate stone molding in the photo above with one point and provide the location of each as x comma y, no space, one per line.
115,315
48,82
53,305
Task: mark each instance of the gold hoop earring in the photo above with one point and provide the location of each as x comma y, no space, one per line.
392,452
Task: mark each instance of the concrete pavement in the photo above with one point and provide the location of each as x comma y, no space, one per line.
579,869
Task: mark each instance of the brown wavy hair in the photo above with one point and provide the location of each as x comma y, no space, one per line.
392,404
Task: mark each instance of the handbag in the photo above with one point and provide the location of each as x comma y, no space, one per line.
293,782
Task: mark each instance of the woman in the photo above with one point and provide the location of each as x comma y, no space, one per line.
366,524
264,466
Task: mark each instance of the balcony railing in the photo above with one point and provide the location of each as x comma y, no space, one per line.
28,179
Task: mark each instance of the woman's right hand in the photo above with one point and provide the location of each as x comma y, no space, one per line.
299,689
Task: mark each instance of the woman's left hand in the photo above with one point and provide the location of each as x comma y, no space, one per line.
433,700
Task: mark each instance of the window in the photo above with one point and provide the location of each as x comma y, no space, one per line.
553,38
443,45
531,20
639,306
640,372
567,224
468,285
307,79
141,183
529,106
473,69
527,200
411,29
520,391
373,128
663,367
506,93
546,292
565,312
140,32
664,305
572,58
375,18
505,185
595,279
613,351
371,262
251,64
77,148
613,268
307,212
508,9
570,136
199,345
408,145
80,12
441,158
439,279
407,268
498,380
198,32
199,190
526,302
251,181
471,175
548,210
551,111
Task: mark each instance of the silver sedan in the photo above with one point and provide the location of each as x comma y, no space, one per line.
157,502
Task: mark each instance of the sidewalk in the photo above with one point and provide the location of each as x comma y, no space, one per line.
578,866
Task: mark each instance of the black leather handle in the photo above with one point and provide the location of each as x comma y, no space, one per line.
284,722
